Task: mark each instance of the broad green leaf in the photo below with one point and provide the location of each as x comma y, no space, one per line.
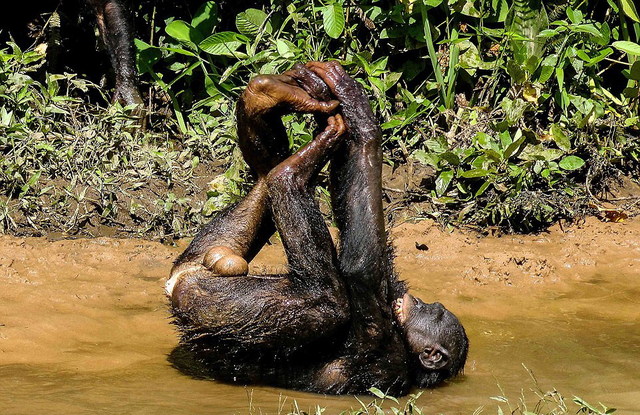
210,86
432,3
602,55
183,32
483,188
514,109
493,155
516,71
575,16
286,49
629,8
470,57
503,10
548,33
391,79
147,56
450,158
539,152
634,72
443,181
223,43
377,392
545,74
251,21
333,20
631,48
483,140
32,180
587,28
480,162
525,21
506,139
467,8
630,92
377,83
426,158
560,77
571,163
205,18
560,138
391,124
378,67
474,173
514,147
438,145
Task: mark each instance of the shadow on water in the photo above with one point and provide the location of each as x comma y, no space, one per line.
184,360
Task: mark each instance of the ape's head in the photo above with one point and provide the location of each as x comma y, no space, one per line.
436,340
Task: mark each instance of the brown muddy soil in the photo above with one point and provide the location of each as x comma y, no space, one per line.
84,326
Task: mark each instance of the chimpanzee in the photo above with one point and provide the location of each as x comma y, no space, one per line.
337,322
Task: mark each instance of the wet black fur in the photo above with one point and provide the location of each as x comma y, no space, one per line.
326,326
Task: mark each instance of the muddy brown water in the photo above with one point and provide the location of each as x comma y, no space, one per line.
84,326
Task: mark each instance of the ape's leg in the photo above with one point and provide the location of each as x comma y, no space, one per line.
116,34
365,259
276,311
245,227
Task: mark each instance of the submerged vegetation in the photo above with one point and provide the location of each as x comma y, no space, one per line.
519,113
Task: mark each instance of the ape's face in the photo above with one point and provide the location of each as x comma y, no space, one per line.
436,340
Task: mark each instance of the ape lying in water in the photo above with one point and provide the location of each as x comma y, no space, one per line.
336,323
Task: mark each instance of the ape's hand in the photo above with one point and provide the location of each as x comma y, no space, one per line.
353,101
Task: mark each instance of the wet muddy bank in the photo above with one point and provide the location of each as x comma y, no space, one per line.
84,326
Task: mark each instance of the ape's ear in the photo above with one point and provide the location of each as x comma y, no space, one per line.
434,357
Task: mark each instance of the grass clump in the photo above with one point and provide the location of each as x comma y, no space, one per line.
522,113
71,167
545,403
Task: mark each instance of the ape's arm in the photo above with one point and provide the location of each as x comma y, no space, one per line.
245,227
365,259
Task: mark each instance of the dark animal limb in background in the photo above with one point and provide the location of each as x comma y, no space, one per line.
115,30
327,326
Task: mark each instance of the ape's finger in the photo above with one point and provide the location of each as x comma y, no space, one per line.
330,72
335,127
301,101
310,82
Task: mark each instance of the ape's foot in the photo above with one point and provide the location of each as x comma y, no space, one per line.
268,92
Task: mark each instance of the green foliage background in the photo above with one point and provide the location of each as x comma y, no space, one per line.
520,112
